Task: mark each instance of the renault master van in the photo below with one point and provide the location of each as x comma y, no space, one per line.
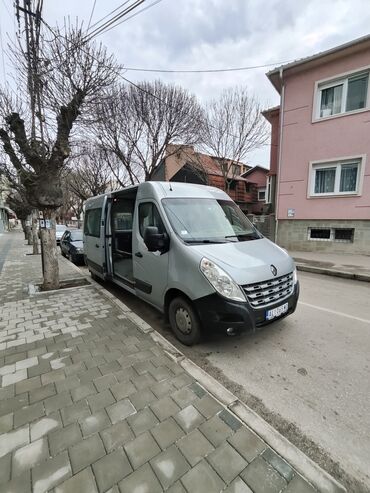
189,251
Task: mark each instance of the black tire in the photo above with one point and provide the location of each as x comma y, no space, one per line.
73,258
184,321
63,254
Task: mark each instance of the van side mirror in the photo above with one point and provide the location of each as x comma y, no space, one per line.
155,241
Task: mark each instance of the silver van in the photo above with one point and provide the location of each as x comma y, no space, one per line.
189,251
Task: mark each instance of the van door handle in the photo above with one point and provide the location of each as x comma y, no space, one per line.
97,246
139,254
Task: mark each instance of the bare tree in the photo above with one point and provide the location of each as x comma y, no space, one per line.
136,123
234,127
72,75
16,195
17,202
88,174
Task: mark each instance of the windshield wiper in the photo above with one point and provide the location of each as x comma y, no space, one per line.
246,236
205,241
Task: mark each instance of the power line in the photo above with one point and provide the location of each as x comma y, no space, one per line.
91,15
2,52
110,23
7,8
204,71
137,13
110,13
141,88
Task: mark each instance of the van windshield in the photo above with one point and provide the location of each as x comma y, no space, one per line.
198,220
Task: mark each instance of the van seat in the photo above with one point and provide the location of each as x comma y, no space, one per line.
123,241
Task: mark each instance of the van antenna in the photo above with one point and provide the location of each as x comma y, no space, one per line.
170,187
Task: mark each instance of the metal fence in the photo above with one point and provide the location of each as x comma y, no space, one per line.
265,224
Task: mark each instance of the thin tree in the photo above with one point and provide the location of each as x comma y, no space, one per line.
16,194
72,75
136,123
23,211
234,127
88,174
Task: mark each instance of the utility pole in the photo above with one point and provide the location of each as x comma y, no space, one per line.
31,11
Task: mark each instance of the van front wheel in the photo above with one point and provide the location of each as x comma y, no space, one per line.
184,321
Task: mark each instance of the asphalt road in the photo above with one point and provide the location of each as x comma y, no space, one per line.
308,375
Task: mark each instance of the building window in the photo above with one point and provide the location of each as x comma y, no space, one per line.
343,95
343,235
317,234
236,170
261,194
335,178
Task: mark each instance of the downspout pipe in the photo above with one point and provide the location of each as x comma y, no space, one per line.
282,97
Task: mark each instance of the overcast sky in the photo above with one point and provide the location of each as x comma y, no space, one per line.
202,34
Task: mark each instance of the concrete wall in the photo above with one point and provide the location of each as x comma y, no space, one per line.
293,235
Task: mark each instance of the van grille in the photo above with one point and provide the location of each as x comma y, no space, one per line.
267,292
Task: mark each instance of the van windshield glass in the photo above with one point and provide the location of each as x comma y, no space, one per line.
198,220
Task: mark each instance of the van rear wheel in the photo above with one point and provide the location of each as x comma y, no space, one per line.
184,321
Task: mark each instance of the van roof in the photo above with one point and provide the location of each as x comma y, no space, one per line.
165,189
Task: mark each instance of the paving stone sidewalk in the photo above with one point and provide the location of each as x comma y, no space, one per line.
90,403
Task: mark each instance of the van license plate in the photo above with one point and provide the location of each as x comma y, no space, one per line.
276,312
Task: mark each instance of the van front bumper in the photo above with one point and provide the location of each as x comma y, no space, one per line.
219,314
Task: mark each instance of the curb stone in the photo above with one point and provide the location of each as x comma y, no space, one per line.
311,471
333,273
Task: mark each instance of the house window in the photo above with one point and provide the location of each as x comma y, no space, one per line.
235,170
343,235
335,178
319,234
341,96
261,194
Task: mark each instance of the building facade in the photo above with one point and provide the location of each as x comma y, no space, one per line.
185,164
4,211
259,176
320,153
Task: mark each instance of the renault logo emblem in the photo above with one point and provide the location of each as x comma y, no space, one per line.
273,270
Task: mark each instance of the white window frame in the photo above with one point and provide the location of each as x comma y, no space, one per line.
334,81
262,189
336,163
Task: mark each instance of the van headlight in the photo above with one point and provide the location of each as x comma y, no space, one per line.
221,281
295,276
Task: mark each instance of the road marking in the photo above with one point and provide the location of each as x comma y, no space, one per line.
341,314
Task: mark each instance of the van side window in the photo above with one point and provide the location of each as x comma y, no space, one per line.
92,222
149,216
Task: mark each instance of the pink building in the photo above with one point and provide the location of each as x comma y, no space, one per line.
319,162
258,176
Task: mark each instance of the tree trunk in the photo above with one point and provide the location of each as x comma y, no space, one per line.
49,252
35,240
29,230
24,227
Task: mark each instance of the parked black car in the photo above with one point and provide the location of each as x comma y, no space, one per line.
71,245
59,232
